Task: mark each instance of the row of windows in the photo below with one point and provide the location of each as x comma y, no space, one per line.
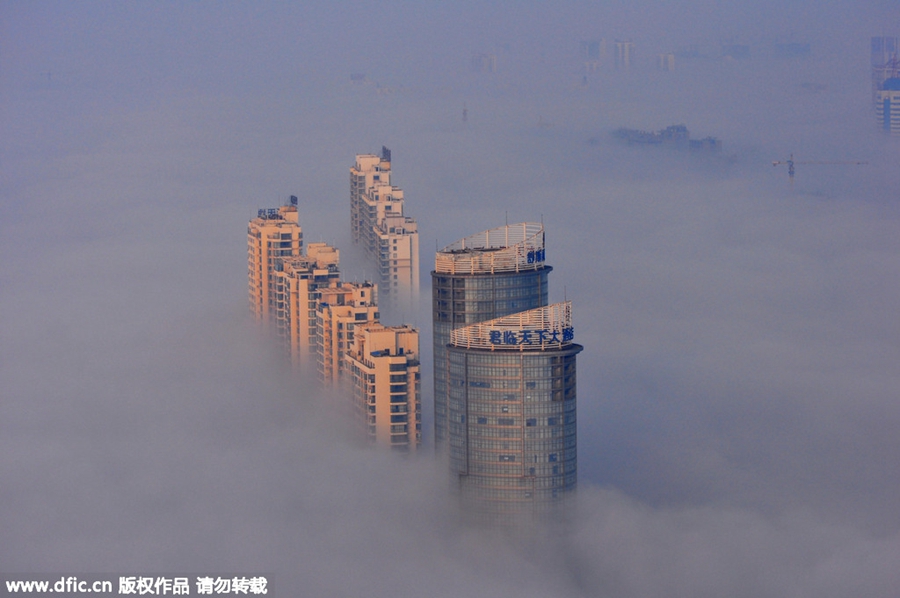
484,397
476,493
475,281
489,444
492,432
557,432
530,478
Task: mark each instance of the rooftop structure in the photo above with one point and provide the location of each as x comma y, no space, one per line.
510,248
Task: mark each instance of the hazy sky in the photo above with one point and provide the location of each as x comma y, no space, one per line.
738,393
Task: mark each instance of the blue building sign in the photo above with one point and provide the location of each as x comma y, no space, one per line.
531,337
536,256
268,214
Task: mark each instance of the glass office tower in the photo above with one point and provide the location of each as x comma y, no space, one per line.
484,276
511,413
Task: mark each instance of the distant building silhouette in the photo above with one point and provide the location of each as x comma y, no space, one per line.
484,63
624,51
665,62
792,50
592,54
735,51
887,106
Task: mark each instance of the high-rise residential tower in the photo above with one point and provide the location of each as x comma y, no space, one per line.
378,223
487,275
298,285
273,235
887,106
885,54
511,413
383,370
624,51
368,171
340,309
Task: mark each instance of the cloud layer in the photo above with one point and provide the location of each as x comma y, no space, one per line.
738,389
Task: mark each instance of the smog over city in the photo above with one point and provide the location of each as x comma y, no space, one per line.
738,390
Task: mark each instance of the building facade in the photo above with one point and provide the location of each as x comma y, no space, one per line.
340,309
383,373
368,170
887,106
624,52
487,275
885,61
272,236
297,291
512,413
389,238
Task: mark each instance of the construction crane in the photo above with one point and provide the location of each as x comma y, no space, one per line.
790,164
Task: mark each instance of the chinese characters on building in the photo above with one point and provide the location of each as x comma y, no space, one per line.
531,337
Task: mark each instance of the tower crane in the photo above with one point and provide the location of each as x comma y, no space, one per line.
790,164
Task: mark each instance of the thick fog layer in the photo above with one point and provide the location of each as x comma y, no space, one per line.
738,393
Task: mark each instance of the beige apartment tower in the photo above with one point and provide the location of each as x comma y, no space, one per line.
389,238
272,236
298,285
339,311
382,365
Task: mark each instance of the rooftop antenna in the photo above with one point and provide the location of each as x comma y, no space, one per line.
790,164
465,113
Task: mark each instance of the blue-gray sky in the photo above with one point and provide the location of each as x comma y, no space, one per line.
738,391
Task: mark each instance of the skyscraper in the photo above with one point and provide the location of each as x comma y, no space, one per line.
378,223
340,309
368,170
624,50
487,275
382,365
273,235
297,289
885,62
511,412
887,106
